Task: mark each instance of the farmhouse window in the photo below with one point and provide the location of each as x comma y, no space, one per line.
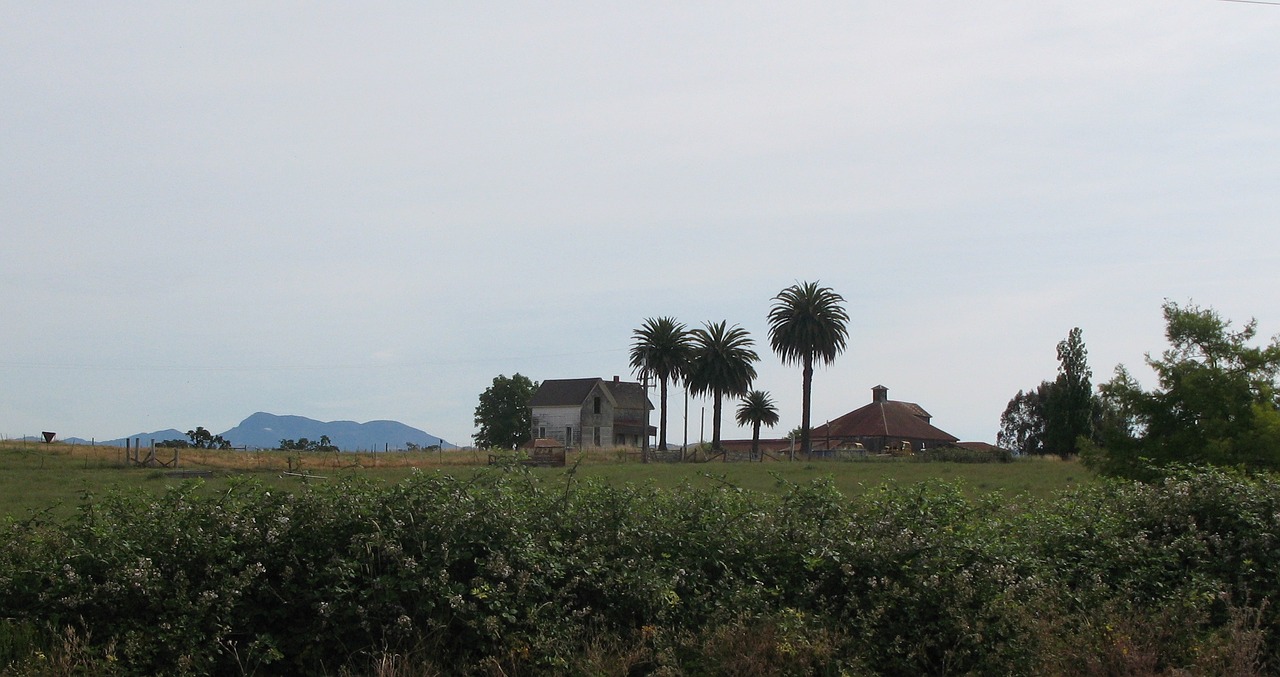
597,405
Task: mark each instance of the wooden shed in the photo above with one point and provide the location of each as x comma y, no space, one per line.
546,452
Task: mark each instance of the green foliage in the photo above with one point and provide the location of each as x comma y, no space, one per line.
1023,422
503,419
1053,418
1069,404
304,444
806,324
661,349
1216,402
721,364
203,439
755,410
504,573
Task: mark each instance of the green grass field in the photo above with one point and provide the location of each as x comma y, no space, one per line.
56,477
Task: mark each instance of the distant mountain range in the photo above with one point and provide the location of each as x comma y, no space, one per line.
264,431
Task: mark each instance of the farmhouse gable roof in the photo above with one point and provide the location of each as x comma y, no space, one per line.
572,392
564,392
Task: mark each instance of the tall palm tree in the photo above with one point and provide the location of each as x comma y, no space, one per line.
755,409
720,365
661,350
807,324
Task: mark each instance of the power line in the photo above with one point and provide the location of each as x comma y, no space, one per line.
1253,2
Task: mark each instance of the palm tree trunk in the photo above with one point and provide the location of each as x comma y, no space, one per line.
715,422
806,444
662,422
755,440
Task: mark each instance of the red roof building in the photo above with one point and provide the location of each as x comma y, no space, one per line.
882,425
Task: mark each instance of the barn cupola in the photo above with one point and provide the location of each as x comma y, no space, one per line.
879,394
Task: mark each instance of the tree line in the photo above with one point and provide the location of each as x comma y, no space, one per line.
1053,417
807,325
200,438
1216,402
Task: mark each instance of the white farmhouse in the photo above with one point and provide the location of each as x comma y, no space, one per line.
591,412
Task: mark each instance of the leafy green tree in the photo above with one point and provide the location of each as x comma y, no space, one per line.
323,444
757,409
720,364
503,418
1216,402
1069,406
661,350
203,439
1053,418
807,324
1023,421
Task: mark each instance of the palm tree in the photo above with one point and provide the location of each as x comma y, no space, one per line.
757,408
661,350
720,365
807,323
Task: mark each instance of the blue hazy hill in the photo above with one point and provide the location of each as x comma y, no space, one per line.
143,438
264,431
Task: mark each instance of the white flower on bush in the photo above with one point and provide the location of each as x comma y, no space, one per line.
138,575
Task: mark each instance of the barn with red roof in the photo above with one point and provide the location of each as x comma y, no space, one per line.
882,425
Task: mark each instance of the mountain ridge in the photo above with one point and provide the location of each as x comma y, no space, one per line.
263,430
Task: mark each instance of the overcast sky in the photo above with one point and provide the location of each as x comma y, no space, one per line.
370,210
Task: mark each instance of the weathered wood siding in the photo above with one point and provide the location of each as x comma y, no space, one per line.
597,419
552,422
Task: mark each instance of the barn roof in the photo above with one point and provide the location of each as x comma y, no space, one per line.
884,418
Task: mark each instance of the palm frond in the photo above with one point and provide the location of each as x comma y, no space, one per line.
721,360
757,407
808,320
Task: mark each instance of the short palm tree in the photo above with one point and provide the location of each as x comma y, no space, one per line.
807,324
720,364
757,409
661,350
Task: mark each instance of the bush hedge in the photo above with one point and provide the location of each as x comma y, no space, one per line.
510,574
